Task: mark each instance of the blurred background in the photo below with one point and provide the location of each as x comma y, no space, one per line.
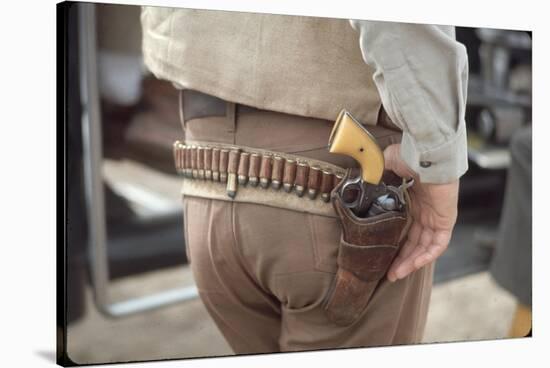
130,294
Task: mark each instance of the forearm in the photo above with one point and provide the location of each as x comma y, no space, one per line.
421,73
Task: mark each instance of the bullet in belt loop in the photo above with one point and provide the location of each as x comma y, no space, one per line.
176,152
289,176
200,162
265,171
232,168
185,160
188,159
337,179
179,157
254,169
277,172
327,182
216,164
243,168
208,163
194,166
224,158
313,182
182,152
300,183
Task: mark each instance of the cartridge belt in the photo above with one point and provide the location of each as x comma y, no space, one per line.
254,175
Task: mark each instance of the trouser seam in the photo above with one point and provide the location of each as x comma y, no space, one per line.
421,300
401,305
240,255
423,288
221,320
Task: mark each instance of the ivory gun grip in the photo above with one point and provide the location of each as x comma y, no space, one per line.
349,137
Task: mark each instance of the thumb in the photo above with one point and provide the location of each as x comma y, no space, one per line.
394,162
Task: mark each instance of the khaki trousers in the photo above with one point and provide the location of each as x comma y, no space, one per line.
263,272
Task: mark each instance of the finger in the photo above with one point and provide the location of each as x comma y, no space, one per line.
390,153
413,237
440,244
406,250
423,241
408,265
428,254
412,240
393,161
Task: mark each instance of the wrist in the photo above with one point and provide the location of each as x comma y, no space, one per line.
440,165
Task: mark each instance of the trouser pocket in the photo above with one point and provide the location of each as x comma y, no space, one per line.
367,248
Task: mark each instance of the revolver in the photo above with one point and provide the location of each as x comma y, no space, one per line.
366,194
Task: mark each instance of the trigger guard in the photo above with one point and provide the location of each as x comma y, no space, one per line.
352,183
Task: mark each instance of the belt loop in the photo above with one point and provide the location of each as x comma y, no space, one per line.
231,115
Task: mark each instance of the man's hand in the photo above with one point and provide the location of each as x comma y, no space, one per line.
434,212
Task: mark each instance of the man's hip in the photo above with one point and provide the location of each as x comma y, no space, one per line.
288,153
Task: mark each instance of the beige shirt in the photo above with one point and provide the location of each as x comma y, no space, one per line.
421,73
314,67
304,66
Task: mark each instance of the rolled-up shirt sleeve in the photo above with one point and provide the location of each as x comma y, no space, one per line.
421,73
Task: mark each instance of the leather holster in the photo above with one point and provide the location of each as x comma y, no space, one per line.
367,248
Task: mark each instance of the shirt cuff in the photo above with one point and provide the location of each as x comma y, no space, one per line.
440,165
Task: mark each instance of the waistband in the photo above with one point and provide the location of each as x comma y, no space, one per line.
239,153
254,175
195,105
